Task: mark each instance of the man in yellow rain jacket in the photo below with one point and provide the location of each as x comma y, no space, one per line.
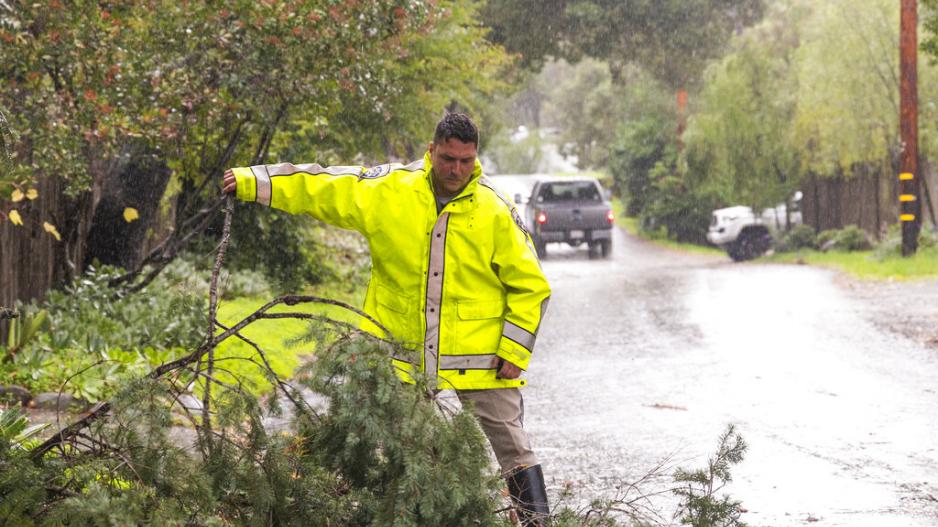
455,276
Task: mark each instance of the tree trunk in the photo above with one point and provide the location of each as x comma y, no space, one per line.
136,180
817,204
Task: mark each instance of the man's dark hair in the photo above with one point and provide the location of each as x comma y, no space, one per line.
456,125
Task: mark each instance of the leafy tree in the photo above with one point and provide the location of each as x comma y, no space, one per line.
848,91
848,95
643,139
739,141
586,107
671,39
517,155
183,90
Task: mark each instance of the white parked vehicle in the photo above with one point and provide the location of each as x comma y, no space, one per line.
745,235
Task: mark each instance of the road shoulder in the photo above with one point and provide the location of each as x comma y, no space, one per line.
905,307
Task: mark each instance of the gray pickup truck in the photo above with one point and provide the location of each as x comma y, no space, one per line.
570,210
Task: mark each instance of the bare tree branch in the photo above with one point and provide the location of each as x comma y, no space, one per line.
101,409
213,310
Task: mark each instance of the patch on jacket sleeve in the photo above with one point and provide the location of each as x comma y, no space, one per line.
518,221
376,172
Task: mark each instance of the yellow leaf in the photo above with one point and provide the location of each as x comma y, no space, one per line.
15,217
17,195
32,194
51,230
130,214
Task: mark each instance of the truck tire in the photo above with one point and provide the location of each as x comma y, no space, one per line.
751,244
594,250
605,247
600,249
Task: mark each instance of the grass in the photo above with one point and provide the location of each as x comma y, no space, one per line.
285,342
866,264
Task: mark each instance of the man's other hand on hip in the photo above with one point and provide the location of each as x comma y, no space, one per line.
508,370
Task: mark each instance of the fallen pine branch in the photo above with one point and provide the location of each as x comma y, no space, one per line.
207,348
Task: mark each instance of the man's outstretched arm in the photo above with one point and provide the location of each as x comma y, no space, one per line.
337,195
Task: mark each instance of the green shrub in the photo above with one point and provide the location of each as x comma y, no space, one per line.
638,147
193,274
928,238
88,315
891,244
849,239
98,336
683,212
797,238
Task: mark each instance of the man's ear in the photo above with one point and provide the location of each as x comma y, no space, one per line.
430,147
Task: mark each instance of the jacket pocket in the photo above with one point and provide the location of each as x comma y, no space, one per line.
478,326
478,310
393,301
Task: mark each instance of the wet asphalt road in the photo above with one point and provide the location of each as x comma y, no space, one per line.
646,357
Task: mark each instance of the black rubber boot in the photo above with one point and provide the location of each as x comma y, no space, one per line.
527,490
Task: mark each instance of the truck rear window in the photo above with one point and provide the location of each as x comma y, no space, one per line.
570,191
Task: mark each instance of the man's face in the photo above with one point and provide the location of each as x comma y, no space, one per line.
453,162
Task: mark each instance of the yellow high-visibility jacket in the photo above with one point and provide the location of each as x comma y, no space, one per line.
462,288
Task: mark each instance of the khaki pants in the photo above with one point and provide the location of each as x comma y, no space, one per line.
501,414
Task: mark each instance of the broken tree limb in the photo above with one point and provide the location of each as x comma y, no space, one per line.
101,409
300,404
212,312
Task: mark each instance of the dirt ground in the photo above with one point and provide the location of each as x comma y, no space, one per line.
908,308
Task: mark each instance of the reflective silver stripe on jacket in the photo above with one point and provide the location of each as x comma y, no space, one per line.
263,173
313,169
263,184
413,166
431,341
519,335
468,362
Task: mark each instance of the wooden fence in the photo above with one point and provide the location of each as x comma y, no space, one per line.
869,201
31,259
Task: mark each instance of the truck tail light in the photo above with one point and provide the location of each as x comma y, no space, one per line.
541,218
611,217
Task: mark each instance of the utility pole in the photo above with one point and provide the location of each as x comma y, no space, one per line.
910,206
681,117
